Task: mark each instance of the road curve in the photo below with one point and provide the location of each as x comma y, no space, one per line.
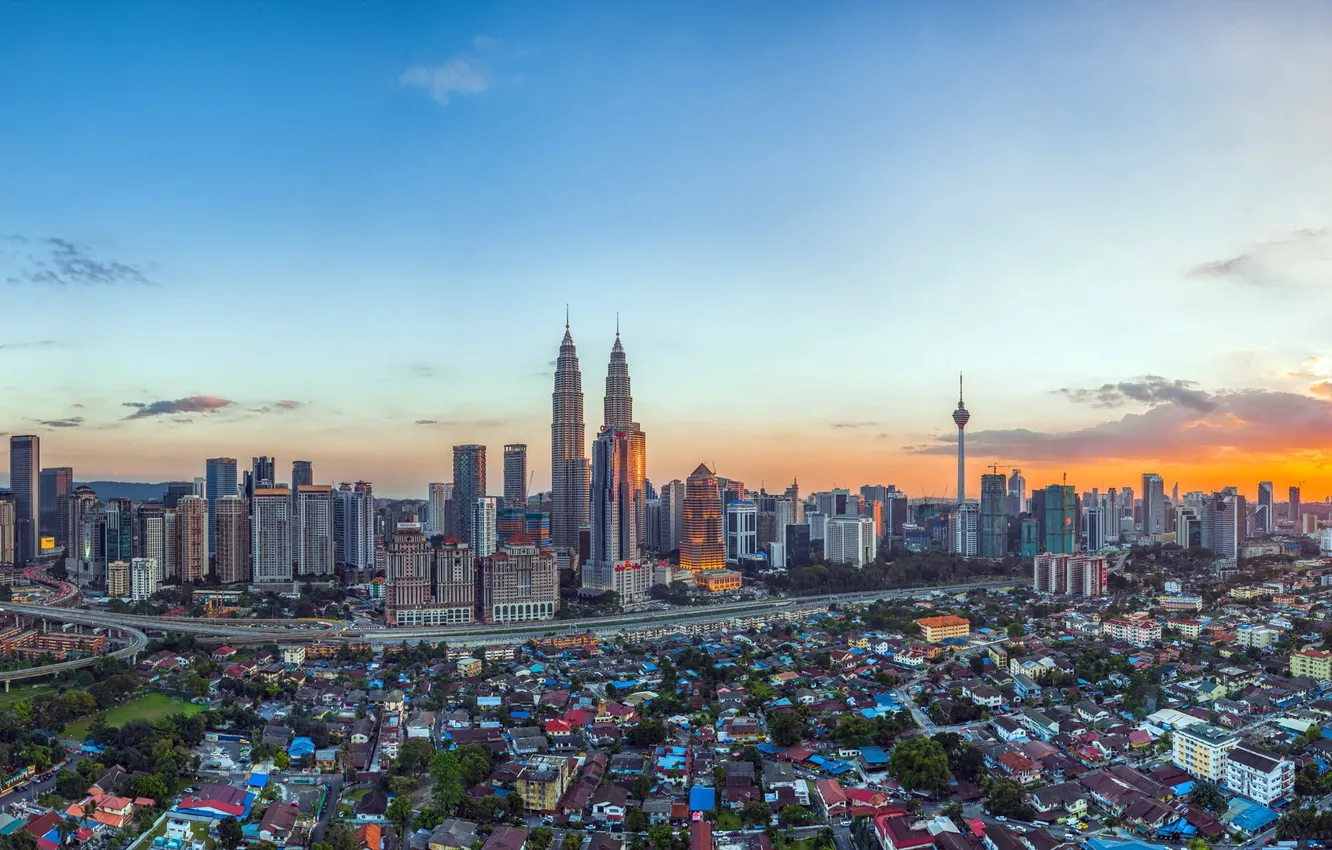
480,634
138,640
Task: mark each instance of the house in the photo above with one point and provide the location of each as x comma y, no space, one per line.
506,838
278,822
898,831
1019,767
217,801
453,834
700,835
832,799
1066,799
609,804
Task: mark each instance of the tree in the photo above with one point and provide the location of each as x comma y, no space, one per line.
756,813
400,813
661,836
1199,844
643,786
414,755
920,764
1006,798
341,836
650,733
796,816
446,773
401,785
229,833
428,818
281,760
1016,630
1209,797
787,728
572,840
541,838
635,820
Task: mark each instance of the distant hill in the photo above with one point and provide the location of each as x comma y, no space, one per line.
133,490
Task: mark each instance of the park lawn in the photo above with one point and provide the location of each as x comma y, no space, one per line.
149,707
24,692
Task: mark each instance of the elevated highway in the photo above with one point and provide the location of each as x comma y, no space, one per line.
136,641
289,631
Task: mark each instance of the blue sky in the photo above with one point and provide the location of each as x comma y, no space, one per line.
807,216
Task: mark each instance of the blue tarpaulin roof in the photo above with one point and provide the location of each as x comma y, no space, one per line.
257,780
702,799
300,747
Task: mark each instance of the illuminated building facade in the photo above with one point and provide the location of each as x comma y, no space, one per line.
702,545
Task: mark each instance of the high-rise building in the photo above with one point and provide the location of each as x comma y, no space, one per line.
1222,522
1264,520
483,526
455,581
672,498
741,530
1070,575
1093,526
519,583
118,579
469,484
619,415
7,543
960,418
568,459
993,516
614,563
118,541
798,547
263,474
302,474
271,535
25,463
220,480
1017,493
149,533
1061,519
850,541
537,526
231,564
406,572
56,483
174,490
192,516
702,546
82,502
439,509
354,525
1293,507
144,580
1188,527
965,529
515,476
314,530
1153,504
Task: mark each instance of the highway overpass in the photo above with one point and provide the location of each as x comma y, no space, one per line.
289,631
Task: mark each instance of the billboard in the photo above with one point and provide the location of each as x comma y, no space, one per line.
48,543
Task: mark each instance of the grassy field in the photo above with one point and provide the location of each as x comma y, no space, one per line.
728,820
19,692
149,707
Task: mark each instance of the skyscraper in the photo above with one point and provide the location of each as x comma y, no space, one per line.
1061,519
483,526
57,483
619,415
672,514
1293,508
439,504
406,571
702,546
519,582
25,463
220,474
993,516
568,460
302,473
469,484
960,418
614,564
354,525
192,517
270,535
314,530
174,490
119,531
1264,520
741,530
1153,503
7,553
964,529
515,476
231,564
1017,493
263,474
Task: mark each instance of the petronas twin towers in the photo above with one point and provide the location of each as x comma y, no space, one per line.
614,500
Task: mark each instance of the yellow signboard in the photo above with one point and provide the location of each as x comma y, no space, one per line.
48,543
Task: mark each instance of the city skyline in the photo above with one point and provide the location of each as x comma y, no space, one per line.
1152,203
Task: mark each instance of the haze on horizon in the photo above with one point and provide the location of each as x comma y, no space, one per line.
347,233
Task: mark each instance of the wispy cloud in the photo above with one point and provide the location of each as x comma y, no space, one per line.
27,346
427,422
459,75
421,369
279,407
1149,389
189,404
462,423
1302,258
849,425
71,422
56,262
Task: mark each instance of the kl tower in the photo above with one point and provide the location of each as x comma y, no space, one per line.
960,418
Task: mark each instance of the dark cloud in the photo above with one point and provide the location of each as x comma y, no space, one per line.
427,422
191,404
72,422
1149,389
62,263
1244,421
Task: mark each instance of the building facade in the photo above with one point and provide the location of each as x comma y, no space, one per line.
271,535
220,480
439,509
850,540
519,583
314,530
192,539
702,546
231,562
1201,750
515,476
25,462
993,516
568,458
469,484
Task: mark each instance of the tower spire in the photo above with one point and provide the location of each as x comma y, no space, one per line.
566,315
959,390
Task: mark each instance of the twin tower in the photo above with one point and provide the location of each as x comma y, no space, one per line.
613,504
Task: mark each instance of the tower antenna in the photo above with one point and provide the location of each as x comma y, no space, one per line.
566,315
